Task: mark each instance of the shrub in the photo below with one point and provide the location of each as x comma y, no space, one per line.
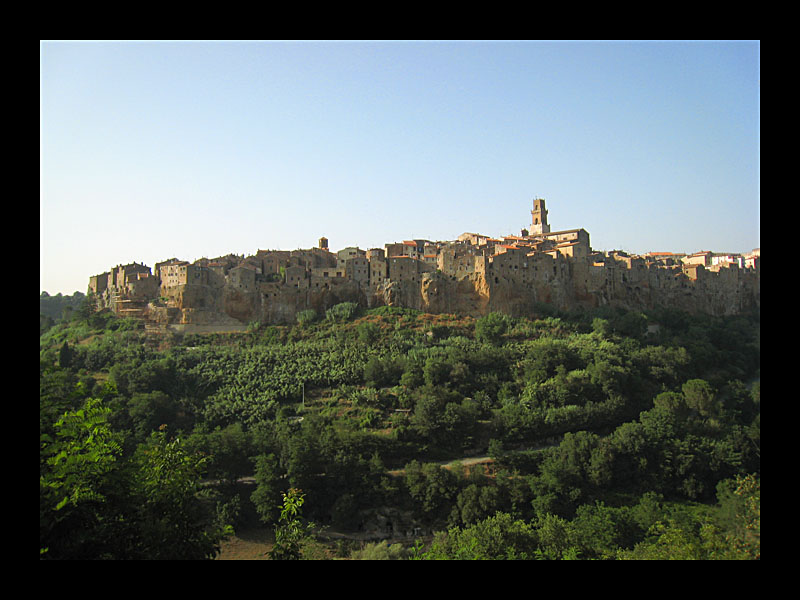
306,317
380,551
491,328
342,312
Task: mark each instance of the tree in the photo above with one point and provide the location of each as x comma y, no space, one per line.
600,531
566,473
292,534
555,536
701,397
740,515
342,312
379,372
368,332
97,503
436,371
475,502
432,487
176,519
65,356
380,551
306,317
149,411
672,402
491,328
230,453
265,497
74,475
500,537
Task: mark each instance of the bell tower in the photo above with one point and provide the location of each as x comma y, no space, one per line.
539,217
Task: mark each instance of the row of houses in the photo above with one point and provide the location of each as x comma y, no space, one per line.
519,259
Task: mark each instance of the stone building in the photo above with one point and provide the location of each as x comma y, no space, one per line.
182,273
404,268
297,276
698,258
357,269
242,278
98,284
377,266
473,274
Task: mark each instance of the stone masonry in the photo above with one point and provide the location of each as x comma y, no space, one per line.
474,275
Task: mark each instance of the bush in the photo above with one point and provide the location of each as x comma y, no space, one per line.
368,333
491,328
380,551
306,317
342,312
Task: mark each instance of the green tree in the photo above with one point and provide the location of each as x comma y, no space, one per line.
740,515
555,536
499,537
701,397
230,450
600,531
673,540
368,333
150,410
97,503
475,502
342,312
177,520
380,551
292,533
266,496
65,355
74,466
306,317
432,488
491,327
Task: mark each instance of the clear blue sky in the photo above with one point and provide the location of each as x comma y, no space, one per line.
155,150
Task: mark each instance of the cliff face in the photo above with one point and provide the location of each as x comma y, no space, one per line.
576,284
726,292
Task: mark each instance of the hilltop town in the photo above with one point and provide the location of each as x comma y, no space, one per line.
474,274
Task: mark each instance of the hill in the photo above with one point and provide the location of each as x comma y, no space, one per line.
630,433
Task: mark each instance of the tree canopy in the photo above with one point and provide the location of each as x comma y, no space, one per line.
591,438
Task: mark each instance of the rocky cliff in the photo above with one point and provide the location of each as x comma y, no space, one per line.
577,284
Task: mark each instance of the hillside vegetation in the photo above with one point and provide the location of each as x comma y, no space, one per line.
611,435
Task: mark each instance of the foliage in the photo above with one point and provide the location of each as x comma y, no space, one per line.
292,534
491,328
499,537
342,312
80,456
176,520
59,307
380,551
591,423
95,502
306,317
268,475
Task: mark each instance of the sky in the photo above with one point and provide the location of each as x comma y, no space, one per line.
188,149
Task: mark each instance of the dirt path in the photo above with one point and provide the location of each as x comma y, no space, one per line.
251,544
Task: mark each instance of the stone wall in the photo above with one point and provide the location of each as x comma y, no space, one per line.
512,281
